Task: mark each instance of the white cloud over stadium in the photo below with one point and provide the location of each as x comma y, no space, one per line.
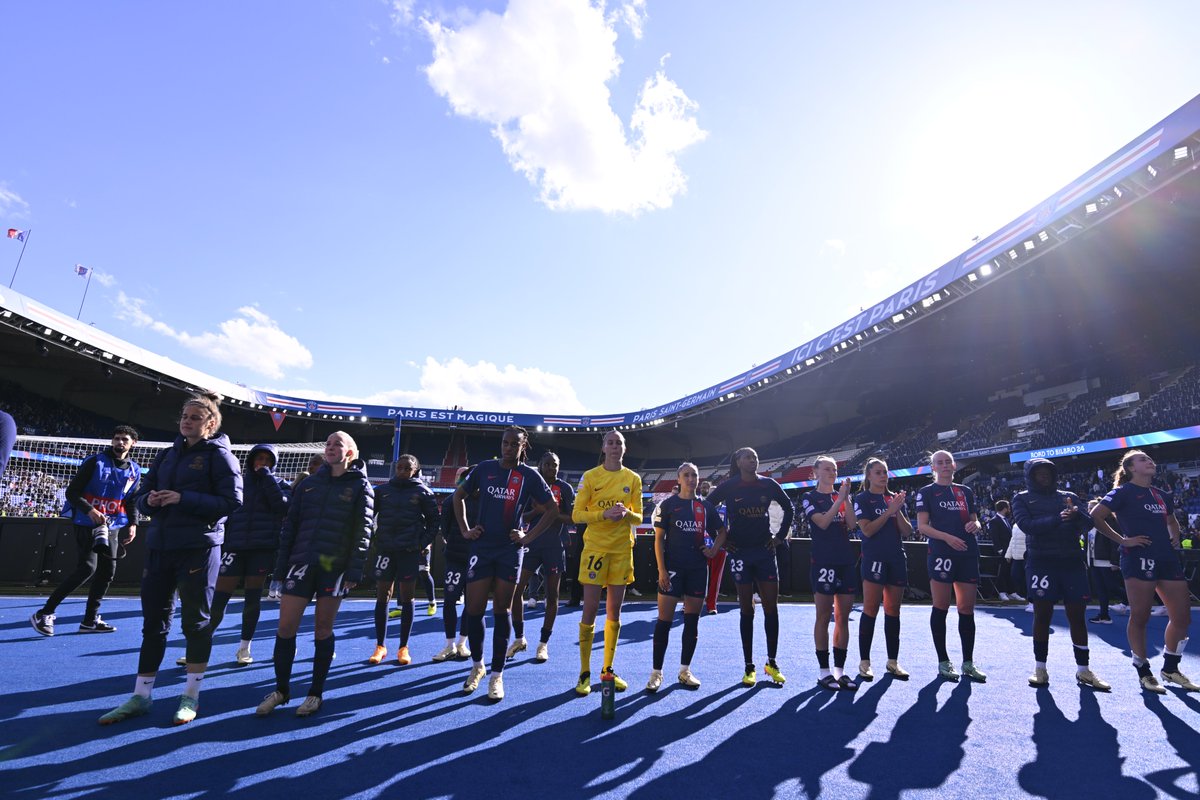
482,385
252,339
539,75
12,204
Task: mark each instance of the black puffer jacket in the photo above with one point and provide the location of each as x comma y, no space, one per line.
255,526
329,523
1038,512
407,516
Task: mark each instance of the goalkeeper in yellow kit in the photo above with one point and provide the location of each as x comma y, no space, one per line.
609,502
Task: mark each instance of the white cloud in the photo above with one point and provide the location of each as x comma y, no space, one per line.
252,339
402,13
12,204
631,13
539,74
833,248
479,386
104,279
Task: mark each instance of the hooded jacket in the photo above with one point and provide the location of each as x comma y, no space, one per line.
407,516
1038,511
329,523
255,526
210,489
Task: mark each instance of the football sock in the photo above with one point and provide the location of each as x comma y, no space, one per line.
891,635
587,635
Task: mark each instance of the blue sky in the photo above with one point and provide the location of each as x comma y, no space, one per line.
539,205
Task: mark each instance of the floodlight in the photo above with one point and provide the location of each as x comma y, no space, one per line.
985,270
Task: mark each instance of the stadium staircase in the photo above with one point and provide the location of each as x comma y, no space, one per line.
456,456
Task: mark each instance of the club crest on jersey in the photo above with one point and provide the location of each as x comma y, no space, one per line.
197,463
1041,592
346,495
1149,574
625,489
291,584
944,575
592,575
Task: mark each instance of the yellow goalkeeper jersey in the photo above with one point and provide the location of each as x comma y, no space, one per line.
602,489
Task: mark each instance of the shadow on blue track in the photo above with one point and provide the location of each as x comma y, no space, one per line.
1080,758
925,748
806,737
1181,735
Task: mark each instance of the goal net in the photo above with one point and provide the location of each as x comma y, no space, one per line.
41,467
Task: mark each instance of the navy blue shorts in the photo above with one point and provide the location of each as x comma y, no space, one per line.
1153,566
958,567
247,563
833,578
399,566
455,582
750,564
687,582
889,572
1056,580
501,564
309,581
552,560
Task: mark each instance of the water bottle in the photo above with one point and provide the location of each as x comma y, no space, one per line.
100,540
608,695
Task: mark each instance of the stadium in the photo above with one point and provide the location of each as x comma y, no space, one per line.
1066,334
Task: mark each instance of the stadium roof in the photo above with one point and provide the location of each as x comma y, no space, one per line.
1104,269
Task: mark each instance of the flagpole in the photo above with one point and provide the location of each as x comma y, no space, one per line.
24,242
85,288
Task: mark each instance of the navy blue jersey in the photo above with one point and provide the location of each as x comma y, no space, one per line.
746,504
1142,511
504,494
687,523
885,545
829,545
949,509
555,535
